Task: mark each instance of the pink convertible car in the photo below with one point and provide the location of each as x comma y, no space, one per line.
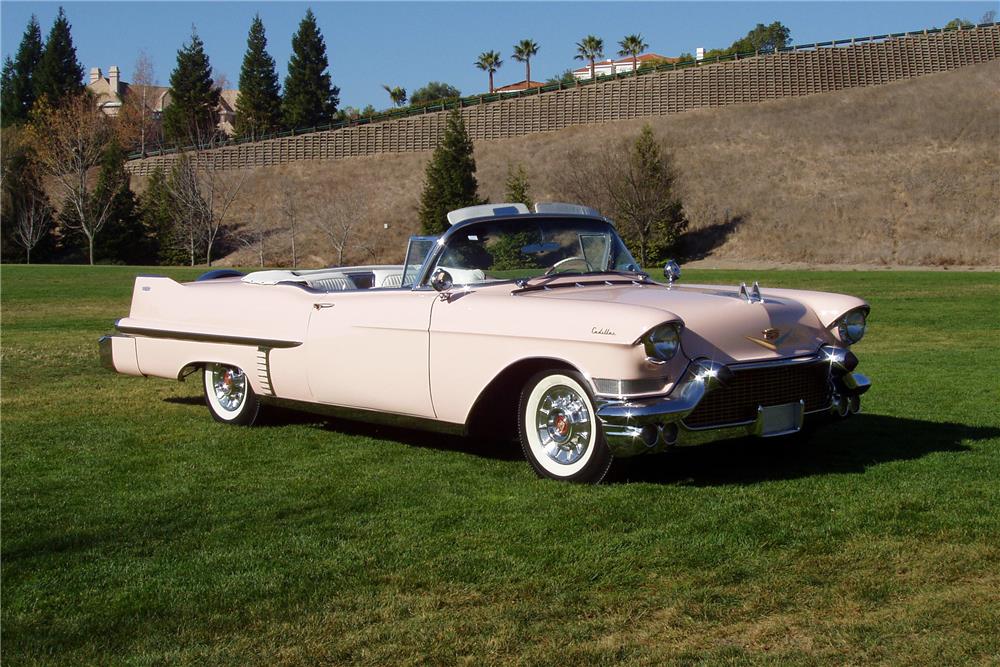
535,322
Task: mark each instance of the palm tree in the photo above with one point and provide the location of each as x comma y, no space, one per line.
590,48
523,52
396,94
633,45
489,61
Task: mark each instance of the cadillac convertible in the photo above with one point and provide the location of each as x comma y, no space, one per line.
536,323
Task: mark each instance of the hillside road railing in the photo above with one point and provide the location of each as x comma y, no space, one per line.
746,78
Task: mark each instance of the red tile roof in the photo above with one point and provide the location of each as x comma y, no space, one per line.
520,85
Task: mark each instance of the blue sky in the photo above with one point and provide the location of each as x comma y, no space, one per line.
410,43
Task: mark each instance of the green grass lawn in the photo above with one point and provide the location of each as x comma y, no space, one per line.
137,530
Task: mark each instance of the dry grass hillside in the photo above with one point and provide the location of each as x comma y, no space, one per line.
902,174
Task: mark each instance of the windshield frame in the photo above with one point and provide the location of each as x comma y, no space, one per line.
515,220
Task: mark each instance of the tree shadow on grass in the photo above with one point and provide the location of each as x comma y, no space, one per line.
849,446
700,243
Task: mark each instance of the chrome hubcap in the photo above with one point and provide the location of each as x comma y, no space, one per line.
564,425
230,385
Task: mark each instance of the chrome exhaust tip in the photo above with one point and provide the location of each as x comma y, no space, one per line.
648,435
854,405
840,406
669,434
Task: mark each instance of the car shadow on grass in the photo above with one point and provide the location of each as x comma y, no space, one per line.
488,448
849,446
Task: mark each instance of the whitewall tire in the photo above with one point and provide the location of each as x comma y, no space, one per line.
229,396
559,429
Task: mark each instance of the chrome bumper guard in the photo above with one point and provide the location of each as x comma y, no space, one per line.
107,354
648,425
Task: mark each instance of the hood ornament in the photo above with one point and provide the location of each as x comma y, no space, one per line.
751,295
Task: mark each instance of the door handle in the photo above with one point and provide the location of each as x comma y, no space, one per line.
317,306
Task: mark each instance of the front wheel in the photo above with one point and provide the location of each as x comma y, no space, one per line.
559,430
229,396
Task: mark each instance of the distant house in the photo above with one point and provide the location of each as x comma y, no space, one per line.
520,85
110,92
606,67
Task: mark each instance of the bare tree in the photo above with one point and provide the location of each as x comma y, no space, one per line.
635,185
340,220
69,142
288,206
254,235
34,217
203,197
586,178
189,207
139,103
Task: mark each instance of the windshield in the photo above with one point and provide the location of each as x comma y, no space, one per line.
511,248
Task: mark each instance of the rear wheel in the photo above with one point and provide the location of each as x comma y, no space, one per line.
559,430
229,396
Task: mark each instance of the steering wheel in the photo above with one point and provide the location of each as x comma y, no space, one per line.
560,266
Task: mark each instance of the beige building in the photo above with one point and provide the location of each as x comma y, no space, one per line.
622,65
110,92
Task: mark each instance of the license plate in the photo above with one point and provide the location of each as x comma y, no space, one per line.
780,419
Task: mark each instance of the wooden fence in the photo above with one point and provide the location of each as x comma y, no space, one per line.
748,81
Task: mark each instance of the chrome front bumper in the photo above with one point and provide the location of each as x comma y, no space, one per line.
639,426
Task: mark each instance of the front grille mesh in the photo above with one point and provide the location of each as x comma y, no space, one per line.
739,399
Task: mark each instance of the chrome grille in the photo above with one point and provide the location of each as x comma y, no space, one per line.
738,400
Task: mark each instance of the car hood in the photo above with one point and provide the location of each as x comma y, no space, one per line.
718,322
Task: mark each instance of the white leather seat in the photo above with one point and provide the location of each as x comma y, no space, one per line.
392,280
331,284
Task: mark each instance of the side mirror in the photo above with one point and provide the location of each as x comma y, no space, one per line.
671,271
441,280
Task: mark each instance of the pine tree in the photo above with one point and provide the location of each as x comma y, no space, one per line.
192,116
10,106
450,180
19,76
649,212
258,107
59,74
125,239
155,215
517,186
310,98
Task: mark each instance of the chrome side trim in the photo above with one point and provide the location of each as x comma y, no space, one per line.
369,416
206,338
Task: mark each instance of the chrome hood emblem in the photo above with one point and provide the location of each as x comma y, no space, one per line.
771,340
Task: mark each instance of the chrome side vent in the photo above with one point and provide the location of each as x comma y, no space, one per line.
264,370
609,387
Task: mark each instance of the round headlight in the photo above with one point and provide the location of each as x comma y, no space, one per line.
851,326
662,342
